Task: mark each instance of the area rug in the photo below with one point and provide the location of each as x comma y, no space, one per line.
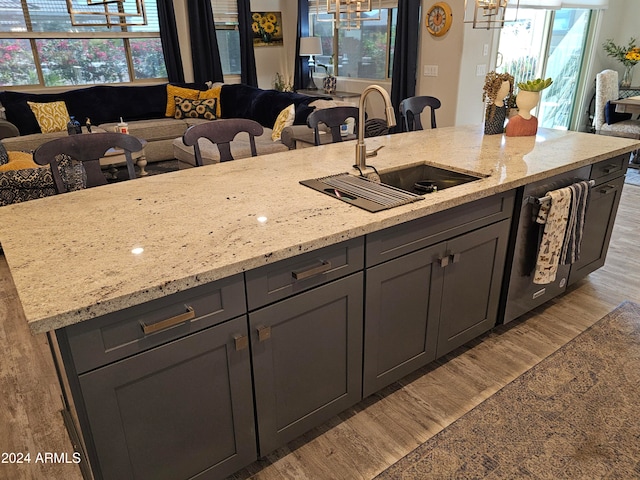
575,415
633,175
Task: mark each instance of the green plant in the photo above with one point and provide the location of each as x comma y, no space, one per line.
629,55
282,84
536,85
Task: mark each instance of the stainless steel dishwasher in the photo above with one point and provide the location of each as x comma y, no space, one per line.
522,295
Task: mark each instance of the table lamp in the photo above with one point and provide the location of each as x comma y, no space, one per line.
310,46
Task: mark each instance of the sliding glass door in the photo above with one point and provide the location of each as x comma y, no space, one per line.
547,43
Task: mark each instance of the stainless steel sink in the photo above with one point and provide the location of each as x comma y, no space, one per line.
422,179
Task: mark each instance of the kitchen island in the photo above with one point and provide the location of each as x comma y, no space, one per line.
226,222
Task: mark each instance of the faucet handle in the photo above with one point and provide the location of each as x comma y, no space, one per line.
373,153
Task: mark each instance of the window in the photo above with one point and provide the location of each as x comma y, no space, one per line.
225,17
545,43
40,46
366,52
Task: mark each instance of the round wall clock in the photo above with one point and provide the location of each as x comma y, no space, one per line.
439,19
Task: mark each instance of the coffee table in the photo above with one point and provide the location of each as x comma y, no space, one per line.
115,156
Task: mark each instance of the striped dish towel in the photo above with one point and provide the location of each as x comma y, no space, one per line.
575,224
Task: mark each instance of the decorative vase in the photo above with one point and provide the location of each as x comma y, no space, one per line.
627,76
329,84
524,124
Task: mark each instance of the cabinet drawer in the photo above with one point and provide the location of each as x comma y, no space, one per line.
611,168
117,335
423,232
294,275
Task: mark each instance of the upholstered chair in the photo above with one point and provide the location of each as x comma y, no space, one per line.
617,125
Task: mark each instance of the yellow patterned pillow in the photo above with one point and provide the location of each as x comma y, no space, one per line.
19,161
52,116
213,93
173,91
285,119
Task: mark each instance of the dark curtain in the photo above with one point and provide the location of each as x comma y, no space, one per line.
248,74
301,73
204,44
169,40
405,59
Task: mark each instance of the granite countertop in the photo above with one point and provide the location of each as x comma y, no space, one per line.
71,255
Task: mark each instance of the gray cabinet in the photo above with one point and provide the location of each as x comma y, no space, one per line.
600,216
163,390
307,359
180,411
432,298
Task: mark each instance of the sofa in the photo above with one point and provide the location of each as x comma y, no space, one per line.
150,113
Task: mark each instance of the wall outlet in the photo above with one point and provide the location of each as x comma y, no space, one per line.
430,70
481,70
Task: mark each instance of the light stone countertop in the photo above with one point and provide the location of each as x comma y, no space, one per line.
71,255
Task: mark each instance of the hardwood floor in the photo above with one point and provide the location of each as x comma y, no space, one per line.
364,440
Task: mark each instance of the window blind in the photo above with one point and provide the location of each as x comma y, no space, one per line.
558,4
225,11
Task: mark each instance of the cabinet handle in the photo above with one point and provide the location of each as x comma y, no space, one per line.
190,314
264,333
324,267
606,189
444,261
456,257
241,342
610,168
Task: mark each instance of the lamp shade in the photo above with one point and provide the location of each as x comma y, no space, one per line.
310,46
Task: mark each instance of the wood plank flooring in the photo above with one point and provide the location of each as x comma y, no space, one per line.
364,440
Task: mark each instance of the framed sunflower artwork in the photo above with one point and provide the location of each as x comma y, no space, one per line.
267,28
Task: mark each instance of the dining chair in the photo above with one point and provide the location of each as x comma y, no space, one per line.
221,133
412,107
333,118
87,148
605,119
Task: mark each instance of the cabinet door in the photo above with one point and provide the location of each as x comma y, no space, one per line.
598,225
307,359
179,411
402,309
471,287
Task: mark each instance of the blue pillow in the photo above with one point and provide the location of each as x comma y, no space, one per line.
611,116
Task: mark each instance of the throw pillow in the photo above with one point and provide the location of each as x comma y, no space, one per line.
173,91
51,116
73,173
18,161
188,108
611,116
213,92
4,157
285,119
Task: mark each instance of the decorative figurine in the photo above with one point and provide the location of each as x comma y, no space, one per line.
497,92
524,124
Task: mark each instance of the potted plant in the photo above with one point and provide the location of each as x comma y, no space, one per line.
525,124
628,55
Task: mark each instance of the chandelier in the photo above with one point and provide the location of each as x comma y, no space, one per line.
488,14
107,13
348,14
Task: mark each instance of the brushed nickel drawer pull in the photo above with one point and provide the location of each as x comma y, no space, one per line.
605,190
190,314
324,267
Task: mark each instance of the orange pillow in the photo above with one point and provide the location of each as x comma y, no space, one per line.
213,93
19,161
173,91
